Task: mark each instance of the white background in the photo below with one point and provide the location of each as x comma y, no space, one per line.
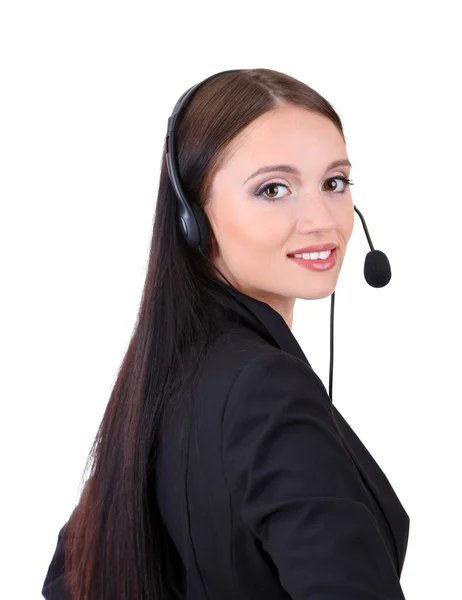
86,91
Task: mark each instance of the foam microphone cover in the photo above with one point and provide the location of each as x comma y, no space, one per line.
377,270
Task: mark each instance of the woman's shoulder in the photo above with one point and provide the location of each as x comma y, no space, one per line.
234,350
240,353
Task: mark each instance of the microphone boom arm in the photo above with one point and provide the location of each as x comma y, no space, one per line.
365,228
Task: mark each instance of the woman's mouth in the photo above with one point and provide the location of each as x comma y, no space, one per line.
316,261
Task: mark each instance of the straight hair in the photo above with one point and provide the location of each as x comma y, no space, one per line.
115,543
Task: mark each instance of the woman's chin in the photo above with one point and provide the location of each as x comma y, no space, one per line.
312,291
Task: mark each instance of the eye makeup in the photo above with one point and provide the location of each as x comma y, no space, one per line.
261,189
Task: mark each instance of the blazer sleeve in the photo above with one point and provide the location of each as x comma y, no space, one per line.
297,488
53,586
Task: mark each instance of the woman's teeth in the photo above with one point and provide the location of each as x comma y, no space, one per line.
314,255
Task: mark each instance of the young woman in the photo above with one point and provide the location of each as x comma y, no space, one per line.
221,469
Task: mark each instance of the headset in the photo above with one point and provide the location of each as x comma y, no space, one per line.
195,227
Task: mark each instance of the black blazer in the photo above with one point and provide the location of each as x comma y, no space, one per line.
275,496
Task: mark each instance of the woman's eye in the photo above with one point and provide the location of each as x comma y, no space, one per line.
271,187
271,191
346,182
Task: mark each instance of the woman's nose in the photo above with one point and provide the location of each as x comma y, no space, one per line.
316,215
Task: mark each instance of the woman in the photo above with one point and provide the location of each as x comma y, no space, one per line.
221,469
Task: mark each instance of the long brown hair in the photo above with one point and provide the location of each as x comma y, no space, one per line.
116,545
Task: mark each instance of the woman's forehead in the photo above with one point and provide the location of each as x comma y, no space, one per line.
291,135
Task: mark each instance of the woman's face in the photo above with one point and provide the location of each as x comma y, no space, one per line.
258,220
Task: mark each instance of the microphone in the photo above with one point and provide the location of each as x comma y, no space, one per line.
377,270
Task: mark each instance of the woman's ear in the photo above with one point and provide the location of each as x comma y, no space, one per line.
211,250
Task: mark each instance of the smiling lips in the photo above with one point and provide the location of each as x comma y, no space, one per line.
316,261
314,248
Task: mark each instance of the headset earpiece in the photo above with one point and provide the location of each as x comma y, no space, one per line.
202,225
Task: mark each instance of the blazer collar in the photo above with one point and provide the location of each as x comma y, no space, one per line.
261,317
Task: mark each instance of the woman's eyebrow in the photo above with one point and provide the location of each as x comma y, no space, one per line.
290,169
